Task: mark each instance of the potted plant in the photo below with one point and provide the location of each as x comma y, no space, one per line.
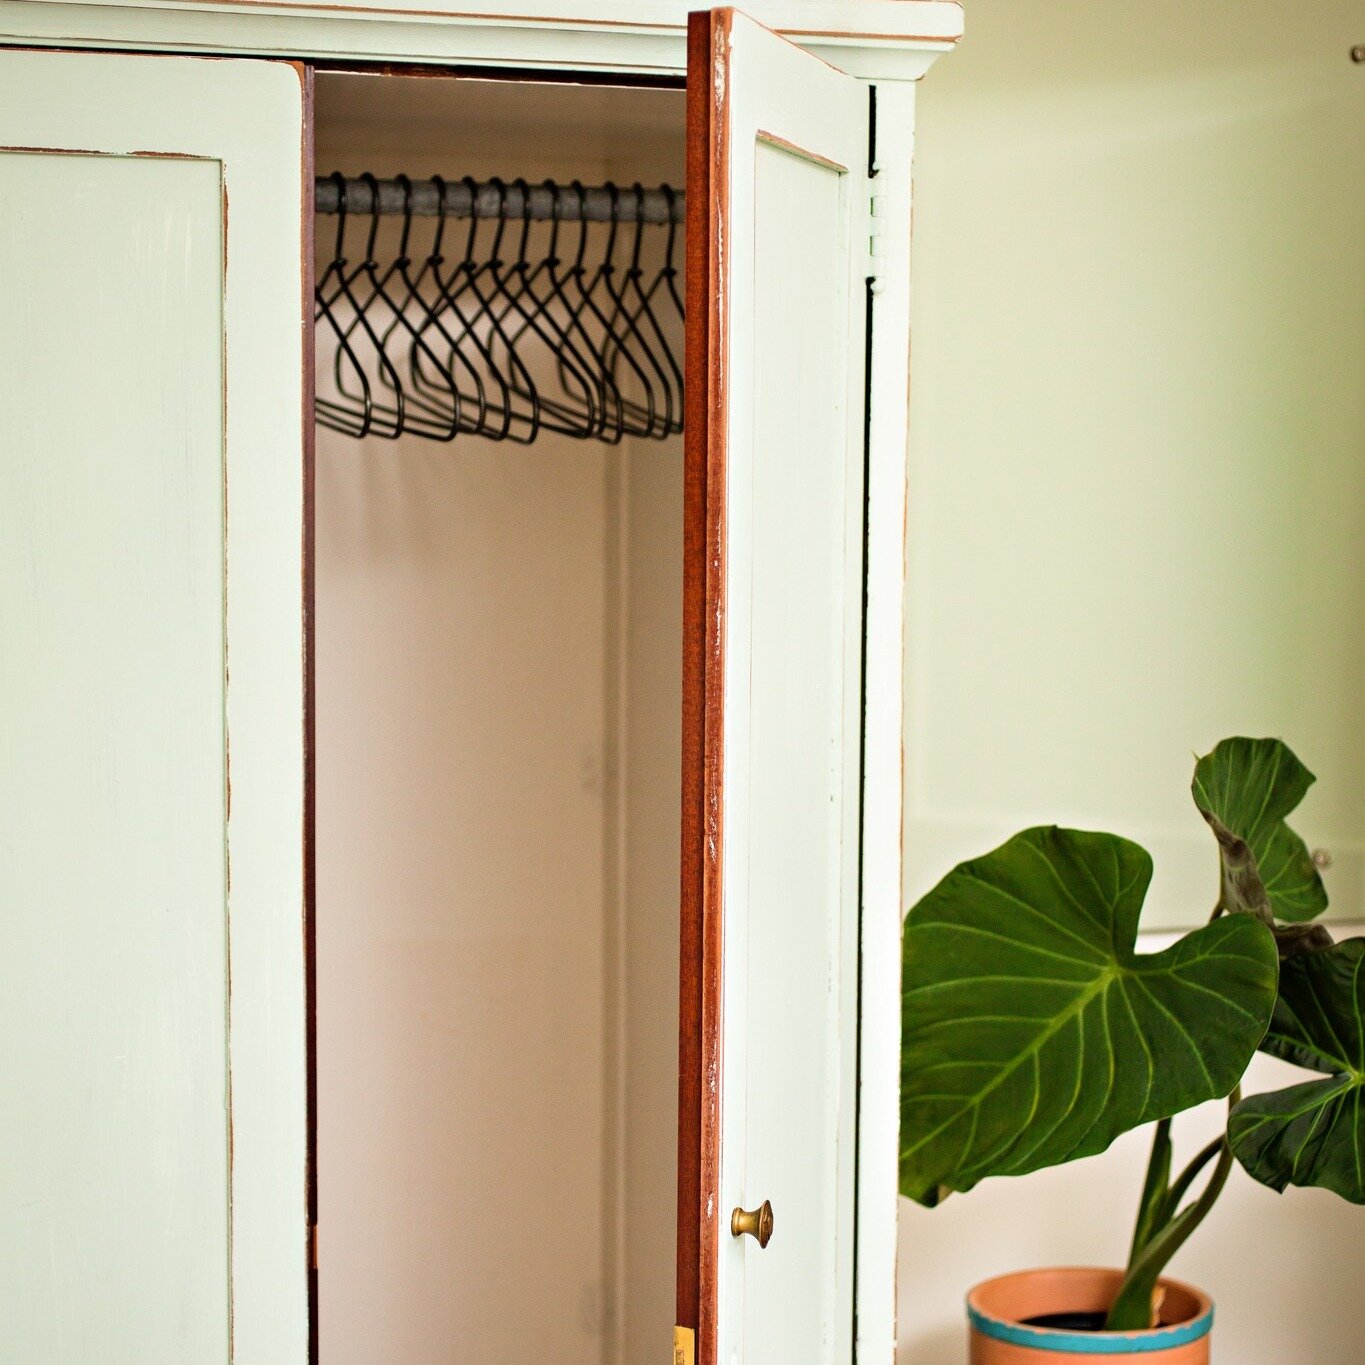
1034,1033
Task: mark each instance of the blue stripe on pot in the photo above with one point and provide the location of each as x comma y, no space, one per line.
1092,1343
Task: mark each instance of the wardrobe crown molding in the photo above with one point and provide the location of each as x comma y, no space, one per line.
874,39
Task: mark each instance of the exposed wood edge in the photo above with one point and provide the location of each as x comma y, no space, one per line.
699,1014
692,896
510,75
309,609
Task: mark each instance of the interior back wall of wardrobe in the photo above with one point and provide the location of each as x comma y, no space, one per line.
498,671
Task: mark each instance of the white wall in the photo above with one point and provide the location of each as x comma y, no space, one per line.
1137,523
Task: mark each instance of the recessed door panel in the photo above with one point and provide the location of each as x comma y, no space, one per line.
773,720
152,1044
112,766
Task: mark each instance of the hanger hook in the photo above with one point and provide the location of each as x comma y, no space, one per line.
577,187
339,181
556,213
439,236
671,199
501,188
615,223
472,186
405,185
374,216
520,184
639,191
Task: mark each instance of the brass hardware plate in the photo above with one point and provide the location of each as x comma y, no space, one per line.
684,1346
757,1223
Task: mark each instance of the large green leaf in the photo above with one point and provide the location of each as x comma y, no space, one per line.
1034,1033
1244,789
1314,1133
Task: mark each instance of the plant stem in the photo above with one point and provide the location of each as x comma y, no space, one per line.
1154,1190
1167,1233
1186,1178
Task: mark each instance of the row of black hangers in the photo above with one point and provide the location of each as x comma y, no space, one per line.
543,319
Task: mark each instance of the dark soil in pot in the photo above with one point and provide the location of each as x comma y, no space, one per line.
1069,1322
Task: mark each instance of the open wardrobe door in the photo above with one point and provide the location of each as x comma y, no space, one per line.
773,581
152,472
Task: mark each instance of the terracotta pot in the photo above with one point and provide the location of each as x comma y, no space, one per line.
998,1308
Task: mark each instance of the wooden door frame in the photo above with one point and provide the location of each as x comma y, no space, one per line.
703,676
705,570
310,775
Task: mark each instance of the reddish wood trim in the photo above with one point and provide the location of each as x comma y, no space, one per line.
309,710
699,1013
87,151
804,153
227,776
463,71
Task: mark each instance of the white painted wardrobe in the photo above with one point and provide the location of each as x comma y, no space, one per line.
349,1007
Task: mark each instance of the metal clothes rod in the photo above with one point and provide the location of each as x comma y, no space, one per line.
496,199
571,322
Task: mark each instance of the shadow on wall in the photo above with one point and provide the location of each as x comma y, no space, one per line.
944,1346
1283,1269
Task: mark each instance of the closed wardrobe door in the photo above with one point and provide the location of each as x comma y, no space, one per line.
152,1042
777,267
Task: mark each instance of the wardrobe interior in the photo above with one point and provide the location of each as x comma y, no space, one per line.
498,680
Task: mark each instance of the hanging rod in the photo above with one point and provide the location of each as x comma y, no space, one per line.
495,199
574,329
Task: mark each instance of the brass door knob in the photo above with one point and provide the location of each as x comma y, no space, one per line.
757,1224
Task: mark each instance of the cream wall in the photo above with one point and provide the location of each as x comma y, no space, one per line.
1137,523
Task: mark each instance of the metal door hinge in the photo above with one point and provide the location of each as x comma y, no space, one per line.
876,248
876,258
684,1346
872,167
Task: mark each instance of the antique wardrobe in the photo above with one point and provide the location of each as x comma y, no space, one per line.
451,886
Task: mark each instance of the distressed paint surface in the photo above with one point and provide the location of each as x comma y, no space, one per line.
800,948
880,38
790,311
151,625
113,874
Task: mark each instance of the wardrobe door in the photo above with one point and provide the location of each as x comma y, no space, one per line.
777,265
152,1022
